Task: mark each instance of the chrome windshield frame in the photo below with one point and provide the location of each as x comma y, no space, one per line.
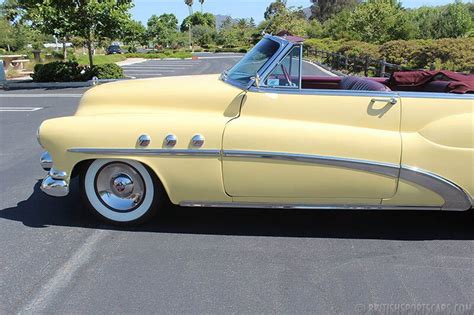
265,70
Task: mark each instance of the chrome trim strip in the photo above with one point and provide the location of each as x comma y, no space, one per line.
266,205
146,152
264,89
387,169
454,196
436,95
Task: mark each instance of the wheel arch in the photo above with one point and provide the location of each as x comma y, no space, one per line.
81,167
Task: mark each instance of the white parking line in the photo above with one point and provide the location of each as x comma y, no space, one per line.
149,71
39,95
162,67
64,274
20,109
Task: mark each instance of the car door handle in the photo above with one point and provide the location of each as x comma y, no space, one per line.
392,100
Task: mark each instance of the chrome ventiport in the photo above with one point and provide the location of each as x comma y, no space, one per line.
171,140
144,140
197,140
46,161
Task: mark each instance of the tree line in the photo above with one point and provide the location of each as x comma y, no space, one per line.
94,22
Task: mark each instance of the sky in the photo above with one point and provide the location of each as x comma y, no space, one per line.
237,9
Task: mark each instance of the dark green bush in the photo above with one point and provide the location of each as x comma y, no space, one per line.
454,54
71,71
58,71
106,71
359,49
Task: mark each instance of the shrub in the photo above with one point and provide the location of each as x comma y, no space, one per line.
359,49
106,71
447,54
326,44
71,71
59,72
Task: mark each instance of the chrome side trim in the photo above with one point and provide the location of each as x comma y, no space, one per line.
146,152
263,89
328,92
436,95
266,205
387,169
454,196
456,199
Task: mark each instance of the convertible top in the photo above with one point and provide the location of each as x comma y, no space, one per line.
449,81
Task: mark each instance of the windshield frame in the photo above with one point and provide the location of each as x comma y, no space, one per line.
284,46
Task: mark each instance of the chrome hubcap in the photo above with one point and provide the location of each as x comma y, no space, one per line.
120,187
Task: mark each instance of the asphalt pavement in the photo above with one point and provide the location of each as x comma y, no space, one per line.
56,258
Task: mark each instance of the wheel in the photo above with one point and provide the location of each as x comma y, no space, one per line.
121,192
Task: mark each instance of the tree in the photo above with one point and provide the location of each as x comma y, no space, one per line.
134,34
189,3
455,21
204,35
275,8
325,9
278,17
163,29
198,18
94,20
378,21
202,3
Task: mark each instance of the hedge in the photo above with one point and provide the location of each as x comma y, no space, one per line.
71,71
456,54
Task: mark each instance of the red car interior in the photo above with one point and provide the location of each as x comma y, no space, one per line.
416,81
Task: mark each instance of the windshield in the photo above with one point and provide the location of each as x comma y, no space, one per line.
253,61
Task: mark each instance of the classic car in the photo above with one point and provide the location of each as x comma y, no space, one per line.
263,135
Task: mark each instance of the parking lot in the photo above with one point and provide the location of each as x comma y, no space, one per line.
56,258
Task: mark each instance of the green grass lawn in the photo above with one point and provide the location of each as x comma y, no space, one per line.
100,59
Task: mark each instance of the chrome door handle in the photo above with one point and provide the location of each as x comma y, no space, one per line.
392,100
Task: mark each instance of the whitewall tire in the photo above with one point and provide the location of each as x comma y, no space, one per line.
122,192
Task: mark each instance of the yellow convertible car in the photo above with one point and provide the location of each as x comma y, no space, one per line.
263,135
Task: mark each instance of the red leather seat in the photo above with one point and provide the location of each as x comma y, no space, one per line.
361,84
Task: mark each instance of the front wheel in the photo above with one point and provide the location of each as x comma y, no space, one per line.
121,192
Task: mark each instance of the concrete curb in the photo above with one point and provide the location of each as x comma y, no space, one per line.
9,85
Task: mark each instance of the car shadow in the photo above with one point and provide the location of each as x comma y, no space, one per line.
41,211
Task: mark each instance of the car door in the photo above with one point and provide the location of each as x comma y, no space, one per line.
292,143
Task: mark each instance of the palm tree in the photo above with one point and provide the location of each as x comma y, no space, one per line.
201,2
189,3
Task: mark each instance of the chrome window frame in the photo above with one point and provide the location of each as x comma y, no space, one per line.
286,46
275,65
263,70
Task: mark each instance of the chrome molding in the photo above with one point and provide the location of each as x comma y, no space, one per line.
266,205
454,196
146,152
387,169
